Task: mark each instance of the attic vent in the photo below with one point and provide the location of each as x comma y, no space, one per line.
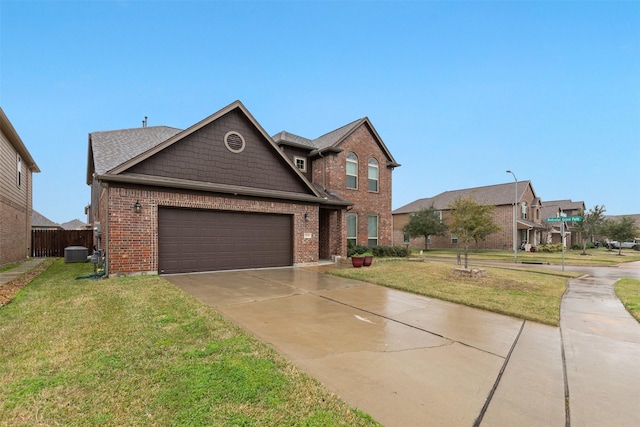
234,142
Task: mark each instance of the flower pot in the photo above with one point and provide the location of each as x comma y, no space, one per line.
357,261
367,261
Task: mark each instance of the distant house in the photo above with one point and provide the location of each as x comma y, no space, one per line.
530,225
16,194
75,224
40,222
555,208
223,194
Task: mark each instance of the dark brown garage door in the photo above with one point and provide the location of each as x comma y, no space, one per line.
191,240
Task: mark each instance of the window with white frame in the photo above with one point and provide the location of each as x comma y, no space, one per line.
19,170
454,238
525,210
405,238
352,229
352,170
372,230
373,175
301,163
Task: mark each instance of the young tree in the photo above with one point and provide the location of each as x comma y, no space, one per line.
621,230
426,222
591,224
471,221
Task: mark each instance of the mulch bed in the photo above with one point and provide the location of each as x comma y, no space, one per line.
9,290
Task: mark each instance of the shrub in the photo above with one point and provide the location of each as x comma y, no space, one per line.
379,251
556,247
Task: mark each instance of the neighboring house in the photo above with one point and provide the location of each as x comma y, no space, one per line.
40,222
16,194
223,195
530,225
556,208
75,224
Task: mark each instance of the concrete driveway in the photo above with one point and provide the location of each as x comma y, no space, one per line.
409,360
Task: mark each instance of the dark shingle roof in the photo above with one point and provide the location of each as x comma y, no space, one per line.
74,224
495,195
332,138
112,148
40,221
288,138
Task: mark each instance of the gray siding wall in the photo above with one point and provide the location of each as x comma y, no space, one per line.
15,206
203,156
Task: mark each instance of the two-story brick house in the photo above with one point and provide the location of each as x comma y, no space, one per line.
223,194
354,164
16,194
529,219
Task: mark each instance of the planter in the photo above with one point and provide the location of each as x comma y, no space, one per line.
357,261
368,260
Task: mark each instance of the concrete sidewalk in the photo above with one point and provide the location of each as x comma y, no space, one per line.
601,342
19,270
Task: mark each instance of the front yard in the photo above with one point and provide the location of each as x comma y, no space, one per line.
138,351
527,294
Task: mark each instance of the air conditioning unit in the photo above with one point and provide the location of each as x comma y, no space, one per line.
76,254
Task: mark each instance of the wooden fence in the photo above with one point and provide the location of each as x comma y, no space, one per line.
51,243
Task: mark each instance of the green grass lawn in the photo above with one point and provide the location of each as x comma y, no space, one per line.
600,256
138,351
628,290
527,294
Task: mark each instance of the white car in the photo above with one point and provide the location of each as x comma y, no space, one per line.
624,245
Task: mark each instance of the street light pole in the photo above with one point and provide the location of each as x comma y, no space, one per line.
515,222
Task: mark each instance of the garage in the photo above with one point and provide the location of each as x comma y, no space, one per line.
194,240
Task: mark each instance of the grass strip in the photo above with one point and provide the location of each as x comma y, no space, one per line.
525,294
628,290
138,351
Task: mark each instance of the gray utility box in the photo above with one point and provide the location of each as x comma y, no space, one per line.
76,254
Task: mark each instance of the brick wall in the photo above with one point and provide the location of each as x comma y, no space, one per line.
330,171
133,238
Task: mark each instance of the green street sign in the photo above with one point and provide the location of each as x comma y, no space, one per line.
576,218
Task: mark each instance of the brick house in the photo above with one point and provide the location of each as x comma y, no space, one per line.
530,222
224,195
16,194
553,232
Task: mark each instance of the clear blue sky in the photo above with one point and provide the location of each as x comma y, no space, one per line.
459,91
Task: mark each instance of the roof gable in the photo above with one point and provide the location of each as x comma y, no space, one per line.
199,155
331,141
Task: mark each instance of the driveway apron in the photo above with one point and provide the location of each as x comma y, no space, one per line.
407,360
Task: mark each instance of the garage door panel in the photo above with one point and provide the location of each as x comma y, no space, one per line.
203,240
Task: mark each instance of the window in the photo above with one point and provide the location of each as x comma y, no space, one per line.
352,170
19,169
524,210
352,229
439,215
405,238
373,175
454,238
301,163
372,230
234,142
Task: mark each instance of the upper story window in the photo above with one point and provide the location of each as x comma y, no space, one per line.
301,163
525,210
352,170
19,170
373,175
